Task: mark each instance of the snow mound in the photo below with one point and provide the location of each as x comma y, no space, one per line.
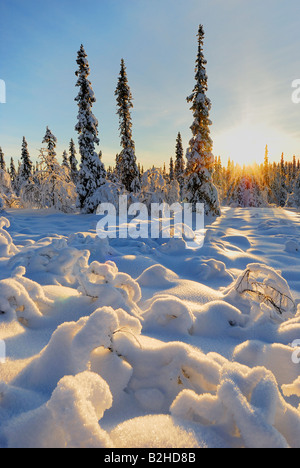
91,242
240,241
292,246
7,247
211,269
275,357
267,286
52,260
292,389
161,371
153,432
68,420
169,313
104,283
71,346
248,404
218,318
174,246
21,299
157,276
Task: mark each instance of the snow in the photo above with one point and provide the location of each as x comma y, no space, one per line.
148,343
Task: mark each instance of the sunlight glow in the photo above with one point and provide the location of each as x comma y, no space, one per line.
246,143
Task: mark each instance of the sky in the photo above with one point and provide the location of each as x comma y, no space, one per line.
251,47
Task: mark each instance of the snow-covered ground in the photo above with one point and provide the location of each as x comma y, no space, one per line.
133,343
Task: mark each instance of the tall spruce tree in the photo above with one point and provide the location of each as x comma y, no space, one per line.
92,174
171,173
127,165
65,162
51,165
50,140
13,175
26,166
179,161
294,198
73,162
179,166
199,187
266,168
2,161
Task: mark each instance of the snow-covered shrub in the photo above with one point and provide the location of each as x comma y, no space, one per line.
7,247
154,188
173,192
249,193
21,299
7,198
50,186
53,260
162,371
115,371
91,242
168,313
267,286
70,419
108,192
275,357
104,283
218,318
248,405
292,389
70,349
5,183
294,198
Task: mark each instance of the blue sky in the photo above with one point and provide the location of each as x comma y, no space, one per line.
253,54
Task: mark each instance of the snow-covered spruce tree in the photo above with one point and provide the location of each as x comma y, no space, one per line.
266,167
127,165
92,174
199,187
25,171
154,187
13,175
73,162
294,198
65,160
51,141
2,161
171,173
278,189
50,186
179,162
6,194
118,168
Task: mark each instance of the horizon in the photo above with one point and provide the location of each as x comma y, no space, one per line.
251,96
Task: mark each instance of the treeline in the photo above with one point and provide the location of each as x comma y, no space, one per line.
260,184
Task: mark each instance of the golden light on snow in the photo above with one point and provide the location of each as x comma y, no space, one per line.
246,143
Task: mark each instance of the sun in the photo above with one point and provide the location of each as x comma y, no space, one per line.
246,143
